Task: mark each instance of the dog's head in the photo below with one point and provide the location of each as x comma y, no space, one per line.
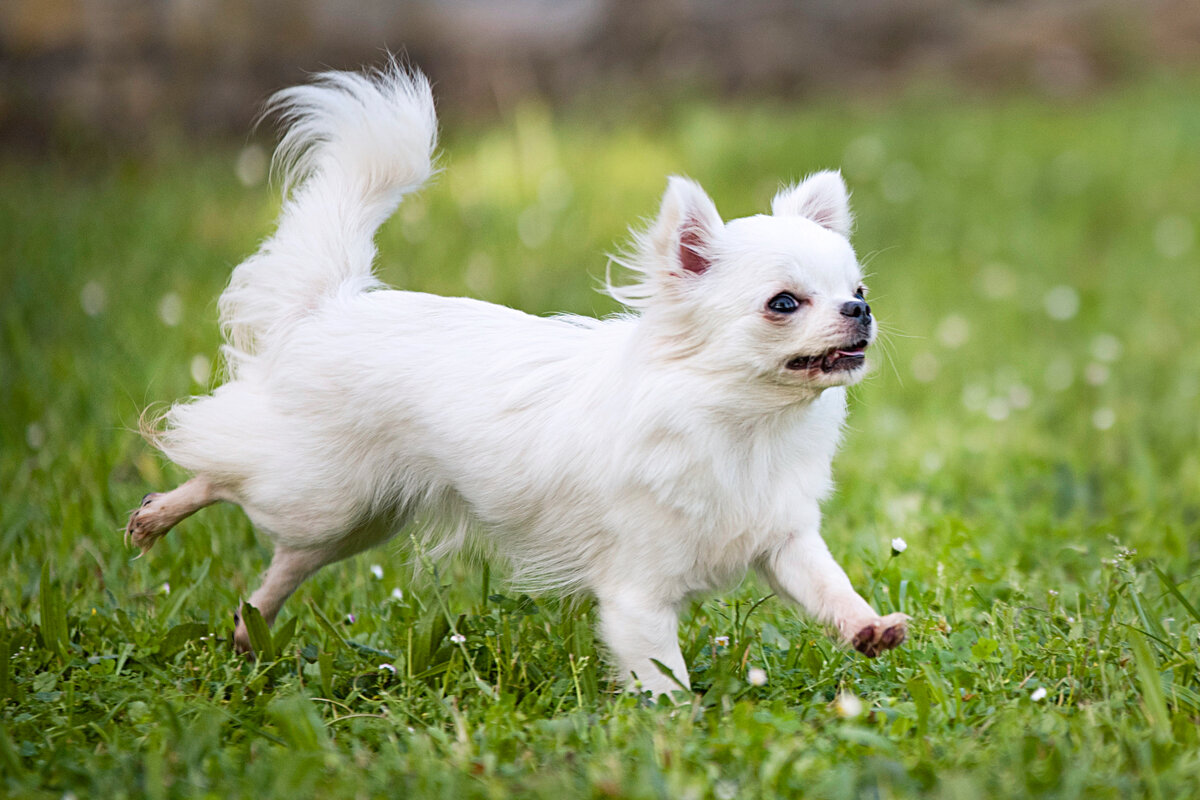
777,297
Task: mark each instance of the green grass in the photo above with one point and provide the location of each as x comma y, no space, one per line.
1044,472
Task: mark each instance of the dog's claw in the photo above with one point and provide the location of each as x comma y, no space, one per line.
885,633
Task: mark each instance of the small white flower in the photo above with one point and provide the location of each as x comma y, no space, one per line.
251,165
1097,374
757,676
389,667
1106,347
35,436
397,594
848,705
725,790
1061,303
954,331
377,571
457,638
899,546
925,367
1053,593
170,309
721,641
1020,396
351,619
200,368
1103,419
997,409
92,298
1038,694
165,588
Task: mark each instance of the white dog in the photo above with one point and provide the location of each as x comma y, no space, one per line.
644,458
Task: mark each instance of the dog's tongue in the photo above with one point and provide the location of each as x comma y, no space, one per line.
831,358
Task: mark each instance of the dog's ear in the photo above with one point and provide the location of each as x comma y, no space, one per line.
686,226
821,197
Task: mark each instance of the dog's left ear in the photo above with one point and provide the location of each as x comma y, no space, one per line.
821,197
686,227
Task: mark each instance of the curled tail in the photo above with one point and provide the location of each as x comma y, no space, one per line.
354,145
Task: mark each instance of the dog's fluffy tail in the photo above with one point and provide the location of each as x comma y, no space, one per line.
354,145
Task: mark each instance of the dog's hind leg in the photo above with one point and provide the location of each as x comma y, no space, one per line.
289,567
161,511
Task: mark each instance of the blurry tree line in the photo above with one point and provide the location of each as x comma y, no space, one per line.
123,67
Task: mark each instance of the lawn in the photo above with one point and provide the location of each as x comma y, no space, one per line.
1031,433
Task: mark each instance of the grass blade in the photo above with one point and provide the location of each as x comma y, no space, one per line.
329,627
284,634
1154,704
1173,588
53,615
259,633
5,665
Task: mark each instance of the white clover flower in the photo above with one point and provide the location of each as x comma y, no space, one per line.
35,436
1103,419
1061,303
457,638
397,593
170,309
756,676
377,571
721,641
251,165
200,368
954,331
1038,694
848,705
898,546
92,298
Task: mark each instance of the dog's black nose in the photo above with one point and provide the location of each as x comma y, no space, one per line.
857,308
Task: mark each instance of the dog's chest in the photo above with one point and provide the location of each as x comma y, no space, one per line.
709,503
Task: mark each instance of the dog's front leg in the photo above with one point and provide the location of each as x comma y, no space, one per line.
638,628
802,570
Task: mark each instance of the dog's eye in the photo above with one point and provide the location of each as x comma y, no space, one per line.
784,303
861,294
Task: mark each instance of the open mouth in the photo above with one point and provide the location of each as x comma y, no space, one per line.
836,359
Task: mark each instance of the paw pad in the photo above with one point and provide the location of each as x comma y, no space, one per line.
886,633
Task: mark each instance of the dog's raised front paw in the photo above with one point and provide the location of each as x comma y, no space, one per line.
885,633
147,523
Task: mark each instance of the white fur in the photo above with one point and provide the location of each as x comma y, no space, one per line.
643,458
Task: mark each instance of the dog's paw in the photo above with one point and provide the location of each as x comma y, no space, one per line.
884,633
148,523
